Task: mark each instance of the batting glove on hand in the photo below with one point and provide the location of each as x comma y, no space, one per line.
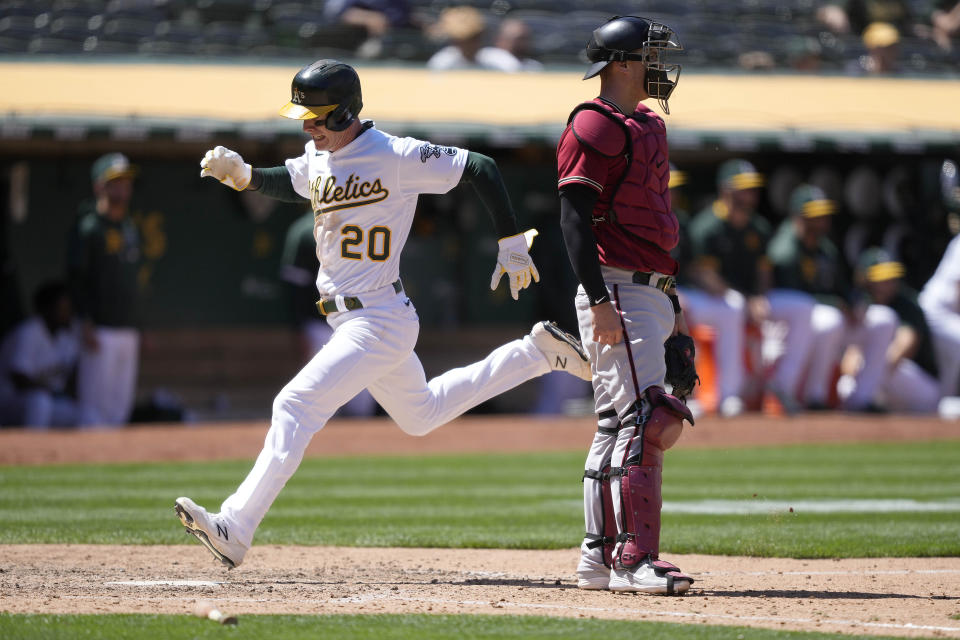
226,166
514,261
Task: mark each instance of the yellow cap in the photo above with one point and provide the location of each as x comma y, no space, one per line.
677,178
878,35
302,112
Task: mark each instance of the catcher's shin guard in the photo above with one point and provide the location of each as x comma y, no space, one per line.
656,430
608,537
600,521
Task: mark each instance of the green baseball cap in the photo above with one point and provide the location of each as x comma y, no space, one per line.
877,265
738,175
112,166
811,202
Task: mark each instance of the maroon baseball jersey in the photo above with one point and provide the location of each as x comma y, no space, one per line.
591,153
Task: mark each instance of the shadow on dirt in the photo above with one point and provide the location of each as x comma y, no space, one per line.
821,595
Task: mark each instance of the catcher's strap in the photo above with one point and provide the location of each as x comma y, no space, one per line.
679,355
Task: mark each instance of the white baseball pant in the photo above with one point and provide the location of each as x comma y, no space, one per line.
791,309
910,389
107,377
832,334
621,373
38,409
726,315
370,348
318,334
945,330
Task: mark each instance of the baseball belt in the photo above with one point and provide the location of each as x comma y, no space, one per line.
350,303
655,280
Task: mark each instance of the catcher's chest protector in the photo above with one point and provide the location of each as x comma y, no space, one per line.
641,199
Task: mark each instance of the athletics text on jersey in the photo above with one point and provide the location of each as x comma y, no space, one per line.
364,197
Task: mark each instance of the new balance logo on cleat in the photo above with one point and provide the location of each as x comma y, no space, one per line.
561,350
211,531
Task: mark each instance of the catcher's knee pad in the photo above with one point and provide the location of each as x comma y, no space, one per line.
663,426
657,429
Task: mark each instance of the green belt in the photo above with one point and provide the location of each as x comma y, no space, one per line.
329,305
664,284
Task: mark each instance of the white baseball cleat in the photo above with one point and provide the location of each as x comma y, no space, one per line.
211,531
593,579
562,350
651,576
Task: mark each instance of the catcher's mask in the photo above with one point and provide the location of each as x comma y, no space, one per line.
634,38
326,89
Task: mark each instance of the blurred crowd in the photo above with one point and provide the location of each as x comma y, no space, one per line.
781,318
74,361
790,311
783,313
852,36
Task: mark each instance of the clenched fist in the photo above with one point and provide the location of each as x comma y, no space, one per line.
226,166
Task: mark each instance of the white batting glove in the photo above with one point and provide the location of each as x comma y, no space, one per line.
514,260
226,166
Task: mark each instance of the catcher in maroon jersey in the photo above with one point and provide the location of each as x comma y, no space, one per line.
618,228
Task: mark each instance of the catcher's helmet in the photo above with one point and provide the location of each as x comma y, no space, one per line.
325,89
634,38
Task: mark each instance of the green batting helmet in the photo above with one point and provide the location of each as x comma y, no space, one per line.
327,89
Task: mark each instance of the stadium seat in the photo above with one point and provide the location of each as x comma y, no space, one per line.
46,44
11,44
70,27
22,26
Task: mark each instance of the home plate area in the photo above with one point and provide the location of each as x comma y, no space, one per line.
910,597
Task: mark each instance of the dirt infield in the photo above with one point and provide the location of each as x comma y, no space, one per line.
901,597
890,596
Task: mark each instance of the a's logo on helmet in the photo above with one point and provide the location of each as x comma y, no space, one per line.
298,96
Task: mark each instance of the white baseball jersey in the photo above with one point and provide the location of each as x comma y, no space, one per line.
364,197
942,288
30,350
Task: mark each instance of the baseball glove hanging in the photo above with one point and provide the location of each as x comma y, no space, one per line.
679,354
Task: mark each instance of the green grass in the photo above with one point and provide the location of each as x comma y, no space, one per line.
372,627
510,501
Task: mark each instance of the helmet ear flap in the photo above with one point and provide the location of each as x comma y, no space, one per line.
344,115
339,119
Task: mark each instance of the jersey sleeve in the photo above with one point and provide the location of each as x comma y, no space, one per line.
299,169
299,252
579,161
429,168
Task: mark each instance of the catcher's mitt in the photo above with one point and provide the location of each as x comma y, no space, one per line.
679,353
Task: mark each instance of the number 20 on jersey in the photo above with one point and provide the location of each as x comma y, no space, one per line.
377,240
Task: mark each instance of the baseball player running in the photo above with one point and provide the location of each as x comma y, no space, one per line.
363,185
618,228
